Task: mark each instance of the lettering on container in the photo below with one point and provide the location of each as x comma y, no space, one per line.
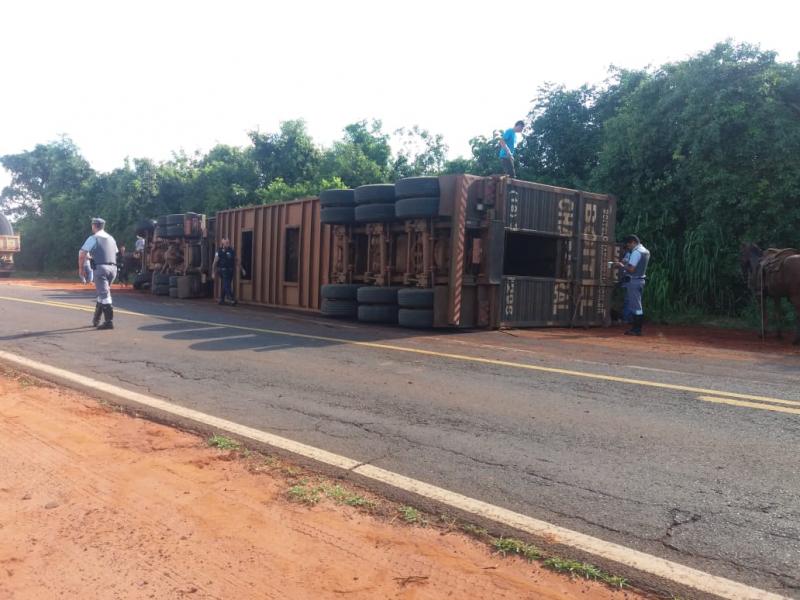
566,216
513,209
560,297
509,295
589,218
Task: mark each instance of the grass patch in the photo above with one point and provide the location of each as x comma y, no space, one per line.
474,530
223,443
308,493
411,515
305,494
506,546
342,495
585,570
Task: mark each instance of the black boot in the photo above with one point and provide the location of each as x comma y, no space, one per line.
98,310
637,326
108,313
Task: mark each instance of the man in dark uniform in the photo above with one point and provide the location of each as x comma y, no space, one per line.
103,249
225,266
635,275
122,268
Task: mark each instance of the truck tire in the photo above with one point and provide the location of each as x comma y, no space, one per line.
142,280
339,291
173,292
145,226
416,187
161,279
415,318
377,313
414,208
371,294
337,215
415,298
344,309
175,220
377,193
374,213
173,231
336,198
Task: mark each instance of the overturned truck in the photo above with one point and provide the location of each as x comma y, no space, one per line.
450,251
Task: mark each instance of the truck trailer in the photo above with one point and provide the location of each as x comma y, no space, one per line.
9,246
452,251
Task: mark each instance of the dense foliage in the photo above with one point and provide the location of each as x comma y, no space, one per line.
703,154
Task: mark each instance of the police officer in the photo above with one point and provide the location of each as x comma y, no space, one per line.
225,265
635,275
103,249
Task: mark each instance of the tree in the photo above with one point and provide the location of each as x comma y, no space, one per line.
421,153
289,154
361,157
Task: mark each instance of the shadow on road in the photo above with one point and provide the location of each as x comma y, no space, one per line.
47,333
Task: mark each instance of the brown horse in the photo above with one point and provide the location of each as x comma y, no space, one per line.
775,274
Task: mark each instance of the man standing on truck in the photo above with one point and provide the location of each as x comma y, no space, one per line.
507,145
103,249
225,265
635,274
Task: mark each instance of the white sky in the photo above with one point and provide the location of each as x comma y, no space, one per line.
145,78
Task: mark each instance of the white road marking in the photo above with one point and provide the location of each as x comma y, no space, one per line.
640,561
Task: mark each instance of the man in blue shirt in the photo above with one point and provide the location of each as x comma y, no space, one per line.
635,269
507,144
103,250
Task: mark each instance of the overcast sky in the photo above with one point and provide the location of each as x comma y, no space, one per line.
146,78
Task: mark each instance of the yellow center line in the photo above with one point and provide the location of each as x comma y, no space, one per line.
422,352
758,405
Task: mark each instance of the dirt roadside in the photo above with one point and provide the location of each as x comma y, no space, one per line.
98,504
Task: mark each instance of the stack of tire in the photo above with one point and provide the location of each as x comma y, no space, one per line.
375,203
339,300
173,286
416,308
417,198
169,226
337,207
377,304
160,285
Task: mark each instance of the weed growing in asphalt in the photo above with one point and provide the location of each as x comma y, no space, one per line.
506,546
223,443
585,570
411,515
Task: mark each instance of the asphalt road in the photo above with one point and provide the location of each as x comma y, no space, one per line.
712,485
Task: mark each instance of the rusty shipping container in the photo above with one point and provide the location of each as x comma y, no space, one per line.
500,253
284,251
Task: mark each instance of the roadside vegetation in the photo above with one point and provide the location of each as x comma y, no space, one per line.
310,489
701,153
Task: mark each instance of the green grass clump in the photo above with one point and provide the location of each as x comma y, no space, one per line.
223,443
305,494
585,570
506,546
410,515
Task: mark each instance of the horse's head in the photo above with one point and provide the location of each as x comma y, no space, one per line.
748,260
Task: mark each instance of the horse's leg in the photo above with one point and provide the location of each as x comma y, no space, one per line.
778,317
796,302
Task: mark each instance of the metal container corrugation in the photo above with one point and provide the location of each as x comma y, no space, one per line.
289,251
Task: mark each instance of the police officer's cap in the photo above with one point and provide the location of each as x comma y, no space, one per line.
632,238
98,221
